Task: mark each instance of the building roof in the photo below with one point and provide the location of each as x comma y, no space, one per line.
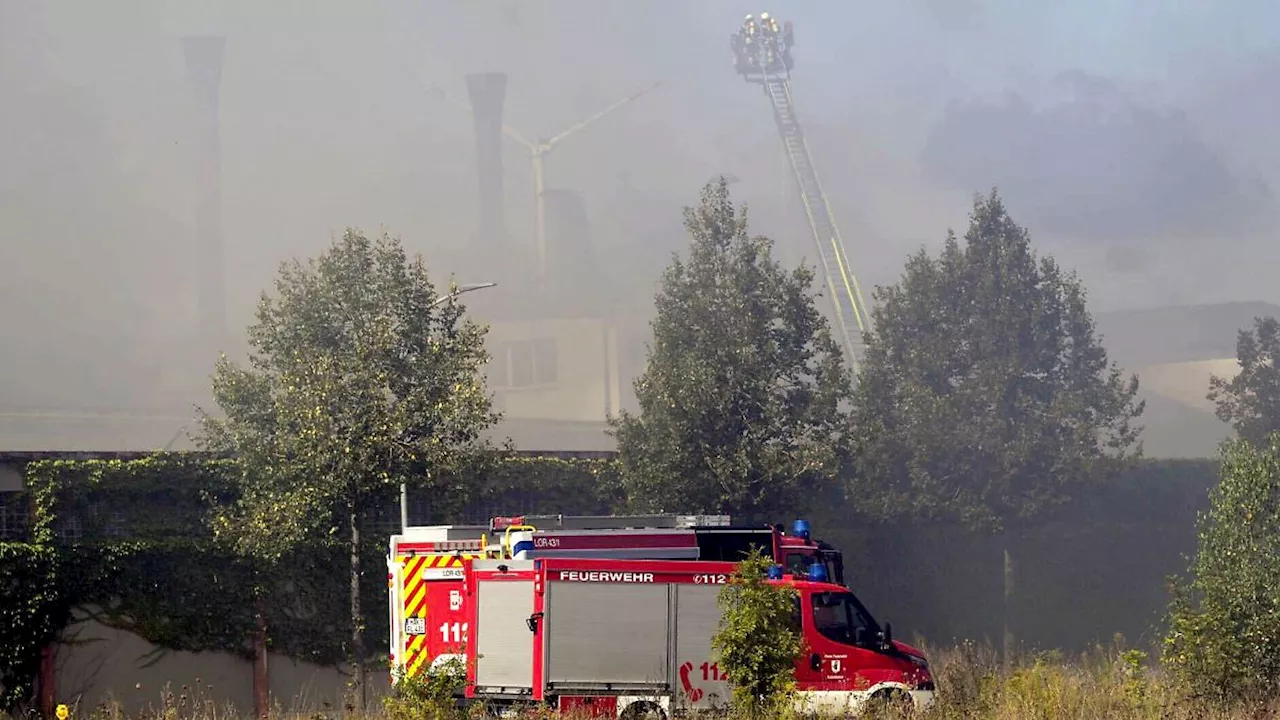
7,457
72,430
141,431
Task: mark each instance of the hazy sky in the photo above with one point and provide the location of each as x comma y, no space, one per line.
1135,139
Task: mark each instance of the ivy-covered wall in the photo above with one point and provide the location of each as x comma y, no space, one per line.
33,603
32,611
127,541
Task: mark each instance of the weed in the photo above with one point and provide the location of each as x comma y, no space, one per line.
428,695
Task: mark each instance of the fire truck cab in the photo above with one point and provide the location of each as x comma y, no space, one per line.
625,638
425,564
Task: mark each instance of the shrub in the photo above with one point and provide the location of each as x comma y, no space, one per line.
428,695
758,641
1224,625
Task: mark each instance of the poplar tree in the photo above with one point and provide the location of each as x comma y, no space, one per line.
359,379
741,401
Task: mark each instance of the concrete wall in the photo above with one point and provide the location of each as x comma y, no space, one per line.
584,386
97,664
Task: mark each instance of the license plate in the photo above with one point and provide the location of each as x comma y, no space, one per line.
415,626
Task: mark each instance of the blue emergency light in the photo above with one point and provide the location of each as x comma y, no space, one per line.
818,572
775,572
800,529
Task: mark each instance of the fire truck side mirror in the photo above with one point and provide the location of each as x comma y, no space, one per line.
859,637
815,662
888,634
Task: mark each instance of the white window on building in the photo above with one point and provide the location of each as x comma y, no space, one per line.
524,363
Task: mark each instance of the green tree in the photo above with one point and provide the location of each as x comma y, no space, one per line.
1250,401
359,379
985,397
740,405
758,640
1224,622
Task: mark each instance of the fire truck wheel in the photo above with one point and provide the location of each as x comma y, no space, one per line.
644,710
895,701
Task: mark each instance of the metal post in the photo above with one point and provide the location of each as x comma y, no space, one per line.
404,488
404,507
540,212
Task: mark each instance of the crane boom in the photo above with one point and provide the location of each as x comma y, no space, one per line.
851,317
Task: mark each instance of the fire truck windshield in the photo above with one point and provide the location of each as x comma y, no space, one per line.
841,618
798,565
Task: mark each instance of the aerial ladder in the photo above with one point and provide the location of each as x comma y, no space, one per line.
770,68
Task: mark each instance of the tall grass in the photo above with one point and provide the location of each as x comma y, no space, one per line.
1107,682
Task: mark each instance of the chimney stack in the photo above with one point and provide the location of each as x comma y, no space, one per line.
204,55
571,262
488,92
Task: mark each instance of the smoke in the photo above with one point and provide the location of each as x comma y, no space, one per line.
74,240
1101,166
1134,137
1238,107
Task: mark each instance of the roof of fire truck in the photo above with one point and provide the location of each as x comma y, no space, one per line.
610,522
443,533
480,538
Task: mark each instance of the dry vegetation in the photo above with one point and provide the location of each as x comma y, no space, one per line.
1109,682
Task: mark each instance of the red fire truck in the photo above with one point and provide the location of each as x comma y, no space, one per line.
632,638
425,564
